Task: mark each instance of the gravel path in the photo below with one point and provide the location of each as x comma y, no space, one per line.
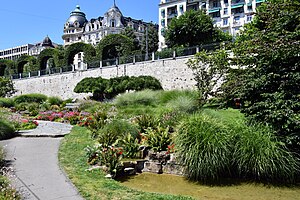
34,159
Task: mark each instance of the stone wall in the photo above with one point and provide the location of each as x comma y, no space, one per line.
172,73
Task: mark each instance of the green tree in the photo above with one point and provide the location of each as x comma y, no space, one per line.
208,70
152,39
191,29
6,87
129,32
269,48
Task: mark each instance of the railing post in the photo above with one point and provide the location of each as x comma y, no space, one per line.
174,54
20,75
73,68
133,59
60,70
197,49
153,56
29,74
39,73
101,63
117,61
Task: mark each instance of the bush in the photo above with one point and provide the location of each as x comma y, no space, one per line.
6,102
167,96
30,98
115,130
157,138
54,101
6,130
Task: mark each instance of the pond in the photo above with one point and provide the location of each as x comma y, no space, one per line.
170,184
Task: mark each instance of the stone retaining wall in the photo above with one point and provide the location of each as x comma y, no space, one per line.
172,73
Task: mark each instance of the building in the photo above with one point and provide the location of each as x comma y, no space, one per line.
28,49
78,29
229,15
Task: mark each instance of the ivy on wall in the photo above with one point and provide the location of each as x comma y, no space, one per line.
26,63
7,67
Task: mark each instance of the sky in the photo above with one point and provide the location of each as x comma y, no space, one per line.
30,21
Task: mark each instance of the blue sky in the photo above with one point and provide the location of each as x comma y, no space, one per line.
30,21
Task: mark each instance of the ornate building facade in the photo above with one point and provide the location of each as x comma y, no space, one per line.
78,29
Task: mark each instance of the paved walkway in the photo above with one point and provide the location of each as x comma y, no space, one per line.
34,158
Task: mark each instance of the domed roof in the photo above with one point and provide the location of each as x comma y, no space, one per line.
77,18
47,42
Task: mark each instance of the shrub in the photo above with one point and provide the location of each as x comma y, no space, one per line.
30,98
130,146
54,101
114,130
203,146
157,138
6,102
145,121
167,96
6,130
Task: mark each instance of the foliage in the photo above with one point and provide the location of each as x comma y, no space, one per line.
130,146
113,46
129,32
6,191
145,121
88,50
6,130
92,184
27,124
152,39
191,29
26,63
109,88
144,97
208,70
115,130
47,54
183,104
7,102
157,138
30,98
6,87
54,101
7,67
269,48
213,147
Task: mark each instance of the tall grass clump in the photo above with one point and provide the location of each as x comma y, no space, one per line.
30,98
166,96
183,104
144,97
204,147
6,130
7,102
259,155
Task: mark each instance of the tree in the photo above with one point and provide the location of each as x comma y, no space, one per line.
269,48
129,32
6,87
191,29
208,70
152,39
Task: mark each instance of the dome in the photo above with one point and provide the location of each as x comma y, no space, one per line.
47,42
76,19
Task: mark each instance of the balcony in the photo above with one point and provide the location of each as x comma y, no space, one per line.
172,15
237,5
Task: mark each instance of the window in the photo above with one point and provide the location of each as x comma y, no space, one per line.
249,18
163,13
216,14
226,1
249,7
113,23
237,18
225,11
215,4
225,22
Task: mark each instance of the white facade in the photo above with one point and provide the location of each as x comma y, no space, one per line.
229,15
79,29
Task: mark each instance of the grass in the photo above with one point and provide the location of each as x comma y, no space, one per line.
93,185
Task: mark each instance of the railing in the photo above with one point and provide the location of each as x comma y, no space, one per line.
165,54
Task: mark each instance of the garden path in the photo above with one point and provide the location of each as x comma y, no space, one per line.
34,159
